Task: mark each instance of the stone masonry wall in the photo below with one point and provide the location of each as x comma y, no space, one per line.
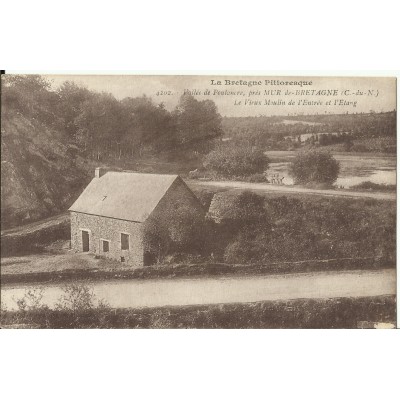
109,229
178,197
180,212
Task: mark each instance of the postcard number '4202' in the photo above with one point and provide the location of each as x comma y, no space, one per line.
164,93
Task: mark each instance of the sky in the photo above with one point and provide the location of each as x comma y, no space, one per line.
352,94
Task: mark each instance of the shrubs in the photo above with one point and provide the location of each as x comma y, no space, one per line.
175,230
380,187
78,307
236,161
76,298
238,209
298,313
314,167
31,301
250,228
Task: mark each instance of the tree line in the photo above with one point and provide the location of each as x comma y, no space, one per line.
271,132
102,127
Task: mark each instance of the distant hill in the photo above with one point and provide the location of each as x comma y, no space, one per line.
374,132
363,124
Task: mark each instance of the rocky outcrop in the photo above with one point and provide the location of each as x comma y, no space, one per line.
38,175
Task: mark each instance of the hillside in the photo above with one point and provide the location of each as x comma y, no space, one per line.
51,141
38,175
364,132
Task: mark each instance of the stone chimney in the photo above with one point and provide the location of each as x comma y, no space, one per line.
99,172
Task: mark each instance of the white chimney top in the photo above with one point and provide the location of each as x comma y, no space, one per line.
99,172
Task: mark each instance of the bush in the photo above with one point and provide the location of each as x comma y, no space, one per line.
238,209
31,301
381,187
76,297
249,229
314,167
298,313
176,230
232,160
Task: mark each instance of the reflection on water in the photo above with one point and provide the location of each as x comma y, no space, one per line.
353,169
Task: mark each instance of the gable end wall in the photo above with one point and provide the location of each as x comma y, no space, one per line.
108,229
178,196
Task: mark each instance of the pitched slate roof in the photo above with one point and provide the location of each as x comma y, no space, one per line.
124,195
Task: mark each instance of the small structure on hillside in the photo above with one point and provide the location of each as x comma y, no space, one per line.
109,218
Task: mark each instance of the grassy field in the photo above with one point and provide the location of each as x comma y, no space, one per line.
304,313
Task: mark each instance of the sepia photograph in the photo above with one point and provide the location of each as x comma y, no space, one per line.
198,202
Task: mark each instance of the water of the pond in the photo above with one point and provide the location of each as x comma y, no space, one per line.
354,169
157,293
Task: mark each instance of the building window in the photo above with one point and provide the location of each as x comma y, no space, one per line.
85,240
106,246
124,241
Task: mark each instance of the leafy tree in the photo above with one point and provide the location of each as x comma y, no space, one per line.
246,208
151,127
71,99
245,219
197,122
28,94
314,167
232,160
176,229
101,125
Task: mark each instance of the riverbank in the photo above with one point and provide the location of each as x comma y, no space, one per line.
368,312
355,168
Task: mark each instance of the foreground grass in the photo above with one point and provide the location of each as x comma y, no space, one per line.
303,313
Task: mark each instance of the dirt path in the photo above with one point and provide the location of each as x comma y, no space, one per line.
294,189
37,225
155,293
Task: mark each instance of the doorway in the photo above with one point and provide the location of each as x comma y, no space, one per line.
85,241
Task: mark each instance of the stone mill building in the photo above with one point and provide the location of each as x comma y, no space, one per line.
110,216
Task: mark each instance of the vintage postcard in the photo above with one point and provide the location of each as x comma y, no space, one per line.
178,201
